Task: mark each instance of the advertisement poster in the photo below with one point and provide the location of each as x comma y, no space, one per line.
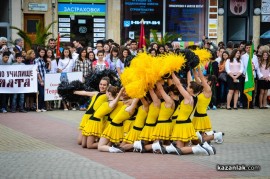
52,81
133,11
187,18
18,79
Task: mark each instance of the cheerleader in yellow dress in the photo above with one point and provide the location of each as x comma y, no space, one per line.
95,123
162,130
201,120
97,99
128,124
114,132
150,123
110,116
183,131
177,97
133,135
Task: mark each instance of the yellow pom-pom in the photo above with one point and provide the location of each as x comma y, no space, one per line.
135,89
170,63
203,54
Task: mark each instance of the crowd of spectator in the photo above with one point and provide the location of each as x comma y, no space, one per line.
228,66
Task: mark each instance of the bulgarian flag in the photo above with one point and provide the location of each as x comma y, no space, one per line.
249,81
58,53
142,43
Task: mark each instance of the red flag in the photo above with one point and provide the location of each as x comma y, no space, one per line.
58,53
142,43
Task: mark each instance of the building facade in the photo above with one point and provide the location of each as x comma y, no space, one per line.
92,20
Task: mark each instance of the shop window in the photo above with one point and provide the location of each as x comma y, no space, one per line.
186,18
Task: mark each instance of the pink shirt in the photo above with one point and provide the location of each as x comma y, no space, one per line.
265,72
234,67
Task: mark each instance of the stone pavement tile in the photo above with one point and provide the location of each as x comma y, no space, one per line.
61,135
246,142
22,156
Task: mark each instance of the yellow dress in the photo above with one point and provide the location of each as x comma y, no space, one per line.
109,117
150,123
96,101
201,120
114,132
95,123
162,130
128,124
183,129
175,113
134,133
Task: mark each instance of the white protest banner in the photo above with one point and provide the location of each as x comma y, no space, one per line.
53,80
18,79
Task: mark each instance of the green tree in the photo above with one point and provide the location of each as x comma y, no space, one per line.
42,34
166,38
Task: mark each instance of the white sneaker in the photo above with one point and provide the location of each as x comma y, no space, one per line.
199,150
210,148
218,137
114,149
199,136
157,146
137,145
210,132
38,110
74,109
43,110
65,109
172,148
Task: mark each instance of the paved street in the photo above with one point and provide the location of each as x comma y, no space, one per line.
43,145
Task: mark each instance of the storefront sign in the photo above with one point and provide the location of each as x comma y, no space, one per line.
97,39
99,30
187,18
81,9
63,39
136,10
82,29
83,1
37,7
99,20
18,79
99,25
265,18
64,24
265,7
64,35
64,29
238,8
64,20
53,80
99,34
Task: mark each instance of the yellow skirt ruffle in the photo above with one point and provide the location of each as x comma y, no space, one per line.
202,124
113,133
184,132
146,133
93,128
106,123
162,131
132,136
84,120
173,123
128,124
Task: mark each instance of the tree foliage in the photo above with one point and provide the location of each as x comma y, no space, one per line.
42,34
166,38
